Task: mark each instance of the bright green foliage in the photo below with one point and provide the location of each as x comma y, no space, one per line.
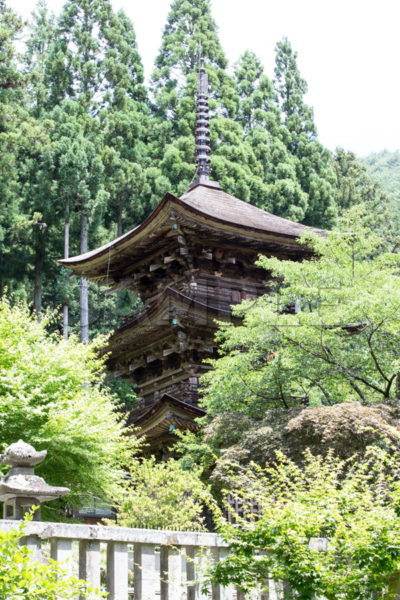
52,396
163,496
328,529
344,342
314,164
22,577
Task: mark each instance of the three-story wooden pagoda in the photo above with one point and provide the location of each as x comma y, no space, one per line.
189,261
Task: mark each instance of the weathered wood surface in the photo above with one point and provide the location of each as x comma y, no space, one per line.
145,564
130,564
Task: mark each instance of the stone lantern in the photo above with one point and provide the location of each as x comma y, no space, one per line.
21,488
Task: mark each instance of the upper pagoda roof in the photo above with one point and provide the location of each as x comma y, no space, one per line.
203,205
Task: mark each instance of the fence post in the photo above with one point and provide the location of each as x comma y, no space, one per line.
61,550
89,562
117,571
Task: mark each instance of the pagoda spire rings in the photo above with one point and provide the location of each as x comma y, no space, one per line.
202,134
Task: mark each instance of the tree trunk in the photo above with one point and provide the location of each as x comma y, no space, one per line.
84,288
38,285
65,305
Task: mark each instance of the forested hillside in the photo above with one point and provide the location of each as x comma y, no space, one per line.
88,150
384,167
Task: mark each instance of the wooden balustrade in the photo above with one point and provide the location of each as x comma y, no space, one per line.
134,564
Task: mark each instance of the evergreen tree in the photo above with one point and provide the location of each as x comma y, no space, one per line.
22,140
314,168
190,33
37,188
274,184
125,120
95,96
10,119
257,107
354,185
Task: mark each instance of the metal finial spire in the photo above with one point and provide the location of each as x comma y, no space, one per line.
203,148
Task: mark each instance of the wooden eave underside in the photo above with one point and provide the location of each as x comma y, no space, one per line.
157,318
167,411
107,264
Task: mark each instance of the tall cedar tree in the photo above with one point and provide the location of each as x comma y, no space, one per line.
191,33
38,183
314,168
94,106
21,141
276,188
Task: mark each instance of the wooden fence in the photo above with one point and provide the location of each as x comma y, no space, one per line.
132,564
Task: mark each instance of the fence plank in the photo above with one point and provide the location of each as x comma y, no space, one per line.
61,550
89,562
34,545
190,552
172,576
394,585
146,572
117,571
137,571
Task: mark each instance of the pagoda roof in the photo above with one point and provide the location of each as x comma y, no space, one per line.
202,205
157,419
159,314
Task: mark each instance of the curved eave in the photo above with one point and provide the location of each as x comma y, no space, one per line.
166,399
150,318
117,245
91,264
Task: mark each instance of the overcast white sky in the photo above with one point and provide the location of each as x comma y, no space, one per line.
348,51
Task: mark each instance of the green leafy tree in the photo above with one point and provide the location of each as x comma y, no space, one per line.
329,528
313,162
52,394
23,577
328,332
155,490
232,440
384,167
